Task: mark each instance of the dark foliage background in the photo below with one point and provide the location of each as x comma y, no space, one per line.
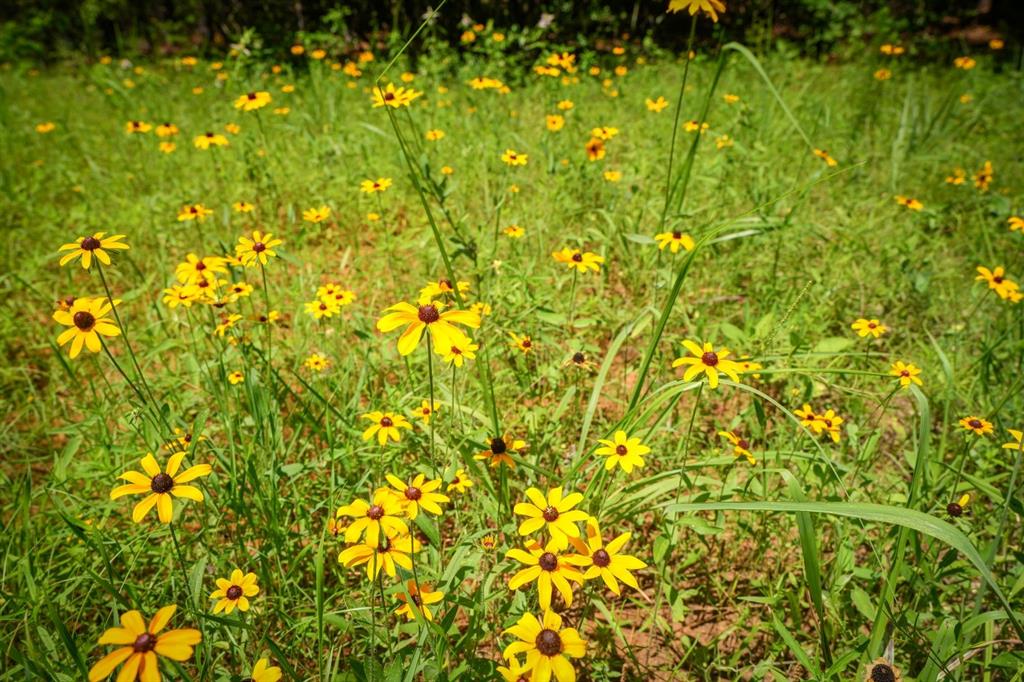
52,29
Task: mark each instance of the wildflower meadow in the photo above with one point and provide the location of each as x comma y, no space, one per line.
485,351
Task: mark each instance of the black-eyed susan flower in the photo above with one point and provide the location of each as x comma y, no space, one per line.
316,215
824,156
582,261
524,344
317,362
86,321
432,317
460,483
740,446
515,672
892,50
965,63
141,645
546,646
623,451
167,147
46,127
514,232
137,127
549,568
393,551
258,250
234,592
606,561
998,282
195,269
695,126
489,542
442,287
604,132
595,149
251,101
417,598
1018,440
227,322
807,416
983,177
372,186
554,513
958,177
706,360
674,241
236,377
196,212
829,424
976,425
425,411
385,426
393,97
907,374
209,139
322,307
656,105
1016,223
161,486
957,509
88,247
243,207
434,135
554,122
513,158
383,515
880,670
882,74
865,327
499,450
417,494
907,202
461,349
612,175
166,130
264,672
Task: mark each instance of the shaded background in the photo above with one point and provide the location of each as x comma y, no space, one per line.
54,29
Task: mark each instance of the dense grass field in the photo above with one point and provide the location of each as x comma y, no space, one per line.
791,502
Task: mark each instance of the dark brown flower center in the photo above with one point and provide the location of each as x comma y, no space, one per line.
413,493
601,558
375,512
388,96
549,643
498,446
882,672
84,320
209,135
710,359
200,266
144,643
429,313
975,423
577,257
621,450
997,279
259,247
527,343
90,244
677,235
743,444
954,509
251,96
905,373
871,325
550,514
161,483
579,358
386,422
234,592
548,561
445,284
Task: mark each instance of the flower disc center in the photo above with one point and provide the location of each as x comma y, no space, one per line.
84,320
601,558
548,561
233,592
428,313
90,243
550,514
709,358
144,642
549,643
375,512
161,483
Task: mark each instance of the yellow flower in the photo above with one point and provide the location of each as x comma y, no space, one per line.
997,280
166,130
393,97
141,645
419,493
196,269
741,447
694,126
730,98
674,241
385,425
461,349
555,513
47,127
524,343
514,158
434,135
137,127
824,156
865,327
317,362
1018,440
656,105
554,122
440,325
908,374
234,592
236,377
912,204
207,140
378,185
416,598
595,149
607,561
705,360
546,646
1016,223
515,672
957,178
612,175
892,50
723,141
976,425
297,50
264,672
442,287
318,54
316,215
253,100
382,515
604,132
883,74
160,486
548,568
498,452
565,105
514,232
86,321
425,411
87,247
167,147
227,323
393,550
258,250
965,63
622,450
233,128
196,212
460,482
242,207
447,170
583,261
983,178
